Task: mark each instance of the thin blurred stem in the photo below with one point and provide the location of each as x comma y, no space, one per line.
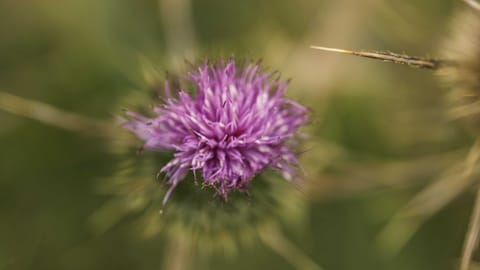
412,61
178,255
50,115
473,4
428,202
273,238
472,159
176,16
384,175
471,238
465,111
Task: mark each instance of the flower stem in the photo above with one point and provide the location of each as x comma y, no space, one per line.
473,4
273,238
429,201
179,30
471,238
178,255
50,115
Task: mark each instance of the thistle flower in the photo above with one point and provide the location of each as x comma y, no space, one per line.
236,123
233,123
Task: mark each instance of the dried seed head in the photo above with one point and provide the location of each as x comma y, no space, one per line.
462,48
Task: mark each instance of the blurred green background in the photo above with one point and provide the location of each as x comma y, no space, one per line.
378,135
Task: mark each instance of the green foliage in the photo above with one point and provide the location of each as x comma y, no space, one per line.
69,201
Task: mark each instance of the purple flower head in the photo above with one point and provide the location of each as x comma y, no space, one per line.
238,123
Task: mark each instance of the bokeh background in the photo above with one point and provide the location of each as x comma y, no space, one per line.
379,132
